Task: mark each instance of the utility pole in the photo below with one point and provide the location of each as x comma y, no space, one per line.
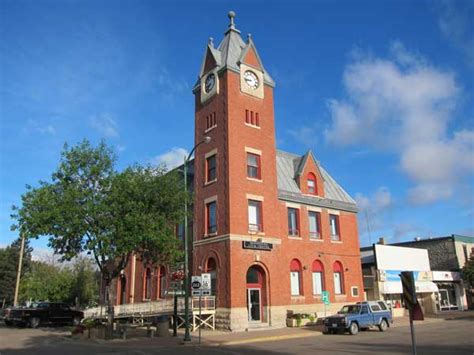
18,275
187,335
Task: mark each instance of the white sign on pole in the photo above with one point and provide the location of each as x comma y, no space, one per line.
205,281
196,293
196,282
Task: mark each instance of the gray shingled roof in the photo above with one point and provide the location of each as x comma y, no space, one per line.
288,165
229,53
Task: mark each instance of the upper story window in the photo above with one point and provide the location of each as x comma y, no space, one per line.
252,118
211,171
211,121
255,216
311,184
293,222
314,225
253,166
211,217
334,227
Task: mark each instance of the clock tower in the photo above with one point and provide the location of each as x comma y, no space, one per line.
235,180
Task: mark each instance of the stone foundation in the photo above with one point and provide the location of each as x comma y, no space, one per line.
236,319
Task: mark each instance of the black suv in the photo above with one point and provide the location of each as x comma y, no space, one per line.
43,313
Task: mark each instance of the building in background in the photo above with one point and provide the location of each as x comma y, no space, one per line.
442,259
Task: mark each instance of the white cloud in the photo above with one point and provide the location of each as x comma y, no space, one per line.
379,201
455,23
306,135
41,128
404,105
172,158
105,124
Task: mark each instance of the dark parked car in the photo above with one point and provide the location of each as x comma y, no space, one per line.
43,313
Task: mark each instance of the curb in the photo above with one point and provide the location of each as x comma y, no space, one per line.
270,338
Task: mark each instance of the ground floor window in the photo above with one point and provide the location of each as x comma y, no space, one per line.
295,277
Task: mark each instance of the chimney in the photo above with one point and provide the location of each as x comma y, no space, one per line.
381,241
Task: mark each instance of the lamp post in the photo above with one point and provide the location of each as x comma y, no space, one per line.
187,336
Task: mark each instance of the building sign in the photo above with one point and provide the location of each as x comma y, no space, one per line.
246,244
394,275
446,276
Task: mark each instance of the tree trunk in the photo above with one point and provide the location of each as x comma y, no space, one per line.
110,295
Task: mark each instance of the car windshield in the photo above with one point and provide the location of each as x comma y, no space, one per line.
39,305
353,309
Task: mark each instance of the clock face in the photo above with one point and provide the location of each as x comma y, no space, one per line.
210,82
251,79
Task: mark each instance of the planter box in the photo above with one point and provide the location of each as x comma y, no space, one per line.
290,322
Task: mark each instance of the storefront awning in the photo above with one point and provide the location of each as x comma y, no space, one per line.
395,287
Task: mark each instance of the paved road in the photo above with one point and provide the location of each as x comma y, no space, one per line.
445,337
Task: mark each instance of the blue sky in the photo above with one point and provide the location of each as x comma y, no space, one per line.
381,91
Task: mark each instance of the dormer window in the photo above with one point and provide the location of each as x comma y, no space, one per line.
311,184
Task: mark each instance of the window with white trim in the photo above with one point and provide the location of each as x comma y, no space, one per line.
334,227
314,225
293,222
255,216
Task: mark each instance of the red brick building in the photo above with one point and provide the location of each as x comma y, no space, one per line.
273,228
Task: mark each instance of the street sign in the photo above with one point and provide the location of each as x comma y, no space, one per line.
196,282
174,293
196,293
205,281
325,297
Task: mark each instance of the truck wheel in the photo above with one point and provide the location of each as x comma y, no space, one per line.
383,325
354,328
76,321
8,323
34,322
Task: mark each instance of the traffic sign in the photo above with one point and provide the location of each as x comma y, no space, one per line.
196,293
325,297
205,281
196,282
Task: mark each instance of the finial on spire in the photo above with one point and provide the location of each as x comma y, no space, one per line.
231,16
249,37
211,41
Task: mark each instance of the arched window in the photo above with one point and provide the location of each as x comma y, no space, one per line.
123,289
147,284
295,278
318,277
162,282
311,183
211,268
338,278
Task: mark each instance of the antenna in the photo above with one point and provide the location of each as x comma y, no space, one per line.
368,226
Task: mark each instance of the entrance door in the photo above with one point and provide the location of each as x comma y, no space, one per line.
254,304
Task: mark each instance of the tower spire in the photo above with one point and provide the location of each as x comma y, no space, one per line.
231,16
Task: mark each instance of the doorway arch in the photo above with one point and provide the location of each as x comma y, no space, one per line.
256,294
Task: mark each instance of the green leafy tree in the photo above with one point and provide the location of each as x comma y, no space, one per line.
9,258
47,282
75,283
89,207
85,286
